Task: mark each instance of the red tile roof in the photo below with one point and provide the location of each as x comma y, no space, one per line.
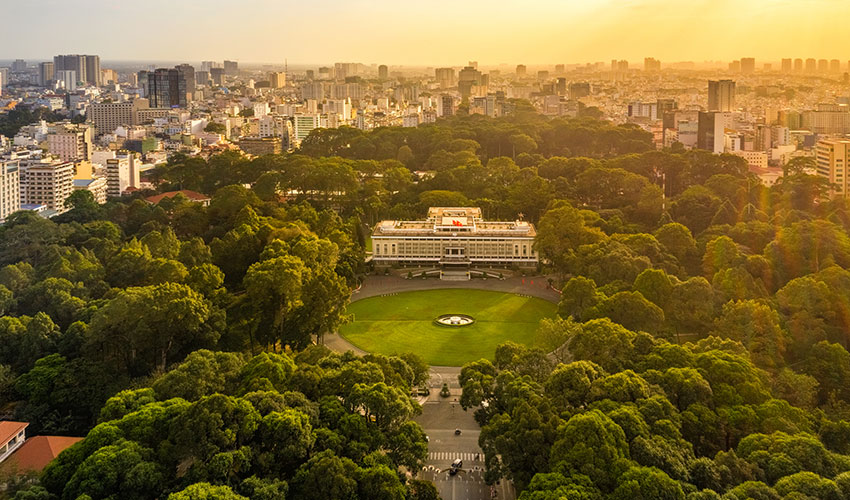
37,452
10,429
192,195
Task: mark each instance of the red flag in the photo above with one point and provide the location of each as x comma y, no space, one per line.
523,281
532,282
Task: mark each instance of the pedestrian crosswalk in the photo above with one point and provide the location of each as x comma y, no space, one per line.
452,456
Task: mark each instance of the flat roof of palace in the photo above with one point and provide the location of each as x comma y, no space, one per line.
455,222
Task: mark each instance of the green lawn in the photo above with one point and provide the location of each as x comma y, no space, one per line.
405,323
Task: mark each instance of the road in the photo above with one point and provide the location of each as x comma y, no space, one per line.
440,417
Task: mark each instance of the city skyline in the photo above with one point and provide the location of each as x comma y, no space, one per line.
536,32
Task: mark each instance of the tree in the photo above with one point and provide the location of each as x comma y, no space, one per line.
757,326
324,476
202,373
829,364
645,483
630,309
205,491
578,297
591,444
124,470
275,287
561,230
177,320
422,490
810,485
553,334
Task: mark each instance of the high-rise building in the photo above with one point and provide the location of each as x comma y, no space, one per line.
798,65
835,66
383,72
711,132
93,75
68,78
109,76
748,65
521,70
721,95
166,88
651,64
117,176
787,65
107,116
231,68
833,161
202,78
445,77
19,65
277,80
45,73
811,65
579,90
71,142
75,63
86,67
187,74
561,86
47,183
445,105
559,69
666,105
10,188
208,65
304,124
217,76
823,66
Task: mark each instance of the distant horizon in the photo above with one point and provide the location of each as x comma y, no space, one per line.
634,64
533,32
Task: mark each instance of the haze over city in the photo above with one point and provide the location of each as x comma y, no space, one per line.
441,32
446,250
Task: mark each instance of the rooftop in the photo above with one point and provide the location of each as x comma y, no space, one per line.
10,429
455,221
37,452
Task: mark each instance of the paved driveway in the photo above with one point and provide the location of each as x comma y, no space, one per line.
440,417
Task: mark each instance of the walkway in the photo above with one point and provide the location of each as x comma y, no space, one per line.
536,286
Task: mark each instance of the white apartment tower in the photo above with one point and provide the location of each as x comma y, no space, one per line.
10,190
833,156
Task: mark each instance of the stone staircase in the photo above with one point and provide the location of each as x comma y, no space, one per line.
455,276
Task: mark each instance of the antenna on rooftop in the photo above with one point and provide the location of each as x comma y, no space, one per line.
286,65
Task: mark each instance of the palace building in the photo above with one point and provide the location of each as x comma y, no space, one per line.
454,237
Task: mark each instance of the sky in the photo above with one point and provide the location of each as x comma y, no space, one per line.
437,32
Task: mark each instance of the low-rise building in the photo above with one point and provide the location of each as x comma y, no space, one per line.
12,436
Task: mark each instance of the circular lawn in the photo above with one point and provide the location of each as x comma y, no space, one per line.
405,322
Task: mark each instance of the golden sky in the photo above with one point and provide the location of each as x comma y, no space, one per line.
429,33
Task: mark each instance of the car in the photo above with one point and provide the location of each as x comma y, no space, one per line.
456,466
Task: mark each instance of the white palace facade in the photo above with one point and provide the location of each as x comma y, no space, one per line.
454,237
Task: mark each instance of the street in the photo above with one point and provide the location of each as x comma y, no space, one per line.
440,417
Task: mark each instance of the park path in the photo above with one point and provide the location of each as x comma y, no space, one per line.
536,286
